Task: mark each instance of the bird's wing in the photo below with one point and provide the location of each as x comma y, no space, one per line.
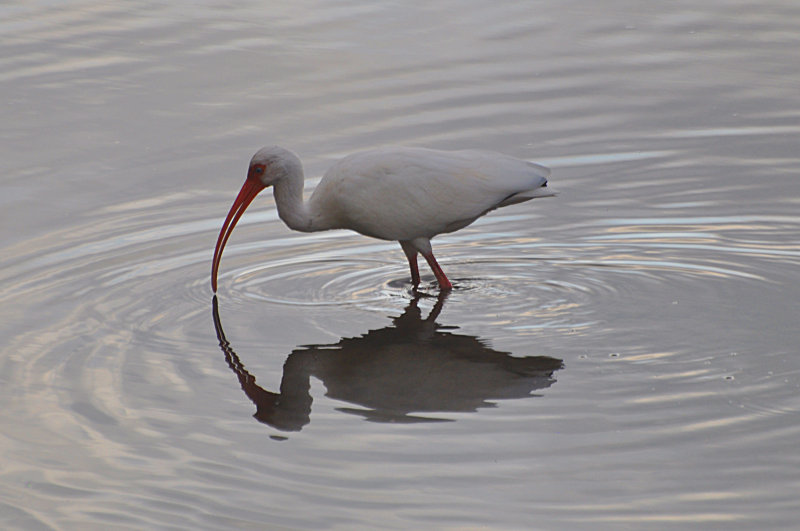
407,193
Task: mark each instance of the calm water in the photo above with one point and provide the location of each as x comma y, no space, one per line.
623,356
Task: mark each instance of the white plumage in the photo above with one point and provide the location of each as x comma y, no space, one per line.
404,194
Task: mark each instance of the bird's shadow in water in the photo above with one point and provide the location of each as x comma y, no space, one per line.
414,365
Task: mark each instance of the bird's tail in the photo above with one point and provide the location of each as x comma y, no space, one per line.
527,195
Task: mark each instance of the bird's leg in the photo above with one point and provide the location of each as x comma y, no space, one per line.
444,283
411,254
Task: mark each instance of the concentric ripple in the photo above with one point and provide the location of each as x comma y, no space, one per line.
144,251
123,301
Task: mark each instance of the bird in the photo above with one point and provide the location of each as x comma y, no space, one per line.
405,194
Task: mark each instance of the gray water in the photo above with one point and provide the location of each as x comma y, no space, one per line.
622,356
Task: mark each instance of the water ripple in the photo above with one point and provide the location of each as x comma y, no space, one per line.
664,275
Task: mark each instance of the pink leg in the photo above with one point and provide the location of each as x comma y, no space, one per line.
411,254
444,283
412,264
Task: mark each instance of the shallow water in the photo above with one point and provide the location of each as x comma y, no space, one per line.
621,356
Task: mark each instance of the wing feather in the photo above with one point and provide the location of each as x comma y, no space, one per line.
407,193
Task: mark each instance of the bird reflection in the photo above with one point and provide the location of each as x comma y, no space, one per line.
395,373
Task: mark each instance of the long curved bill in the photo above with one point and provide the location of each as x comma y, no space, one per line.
249,191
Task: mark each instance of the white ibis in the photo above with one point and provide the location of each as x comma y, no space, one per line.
404,194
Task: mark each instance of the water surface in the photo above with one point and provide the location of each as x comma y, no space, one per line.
621,356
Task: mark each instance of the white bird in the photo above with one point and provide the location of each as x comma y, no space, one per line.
400,193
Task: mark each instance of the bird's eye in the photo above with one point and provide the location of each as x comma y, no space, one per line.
259,169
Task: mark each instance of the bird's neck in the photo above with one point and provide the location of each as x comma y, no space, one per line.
296,213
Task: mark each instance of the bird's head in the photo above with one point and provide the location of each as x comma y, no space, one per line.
268,166
272,164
